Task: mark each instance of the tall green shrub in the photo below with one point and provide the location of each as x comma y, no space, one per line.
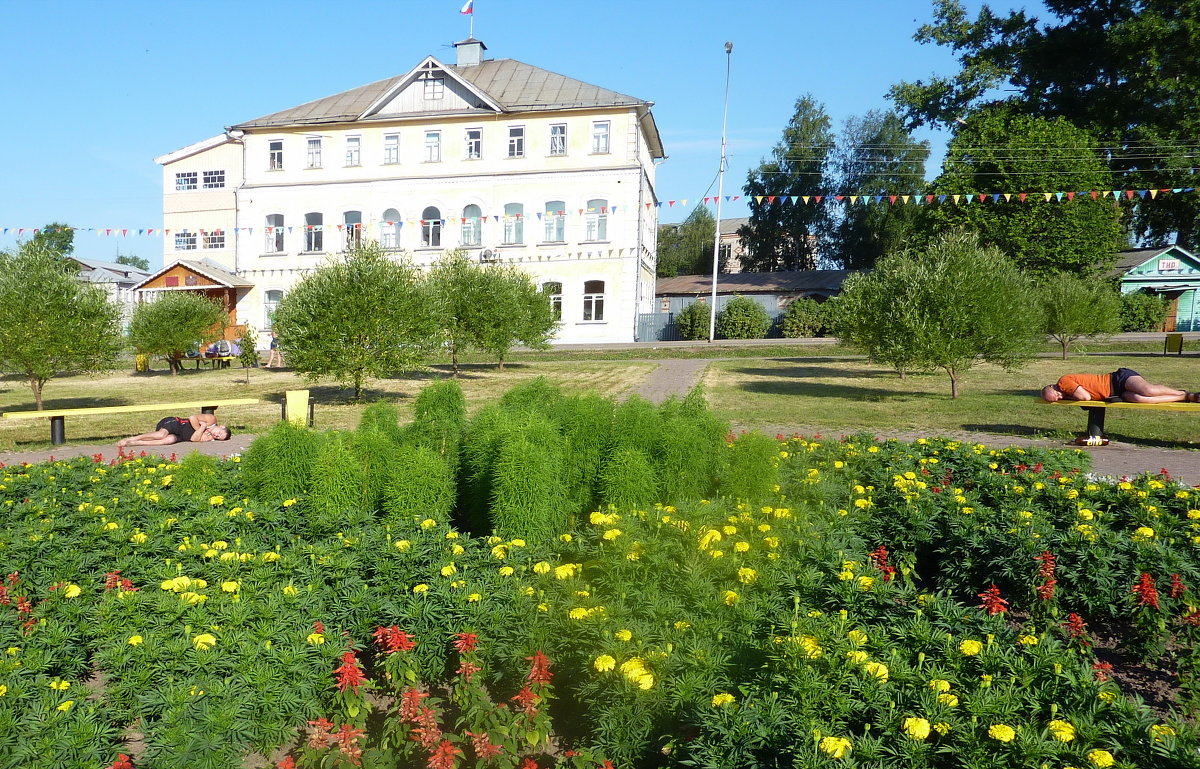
337,495
627,480
382,417
481,443
637,424
1076,307
586,423
752,472
1142,311
743,318
421,487
693,321
278,464
439,419
528,489
378,455
803,318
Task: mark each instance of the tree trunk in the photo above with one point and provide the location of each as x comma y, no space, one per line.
500,363
953,383
1064,348
175,364
36,385
358,386
454,360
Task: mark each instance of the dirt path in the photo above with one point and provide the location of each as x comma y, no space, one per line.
672,377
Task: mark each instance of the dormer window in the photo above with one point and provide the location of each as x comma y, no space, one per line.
435,88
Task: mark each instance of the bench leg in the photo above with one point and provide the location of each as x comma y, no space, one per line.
58,430
1095,426
208,410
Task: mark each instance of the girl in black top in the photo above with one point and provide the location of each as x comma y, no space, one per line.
194,429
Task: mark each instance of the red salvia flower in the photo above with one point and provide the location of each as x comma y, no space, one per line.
1146,592
443,756
539,672
4,599
464,643
527,700
1102,671
1193,618
112,579
23,605
347,741
1075,626
322,733
1177,586
529,763
287,763
410,703
427,731
992,601
393,639
484,749
318,627
468,669
879,558
122,762
1047,563
349,675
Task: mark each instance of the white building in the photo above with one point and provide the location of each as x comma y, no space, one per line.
117,280
509,162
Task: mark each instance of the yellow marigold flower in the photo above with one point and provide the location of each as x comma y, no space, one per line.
134,640
681,625
1002,732
604,663
421,588
939,685
730,598
527,590
623,635
709,538
722,699
741,547
428,523
916,728
72,591
858,637
1027,640
857,657
837,747
1062,731
449,570
65,706
111,526
138,538
59,686
543,607
970,647
1142,534
565,538
717,553
474,598
290,590
877,669
541,567
1100,758
611,534
747,576
862,504
506,571
402,545
846,576
1086,514
204,641
866,583
949,700
3,690
1160,732
315,639
217,500
270,556
579,613
729,531
1193,514
771,542
941,727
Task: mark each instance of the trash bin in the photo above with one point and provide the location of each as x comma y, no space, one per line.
142,362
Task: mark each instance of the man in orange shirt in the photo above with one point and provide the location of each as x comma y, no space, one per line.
1123,384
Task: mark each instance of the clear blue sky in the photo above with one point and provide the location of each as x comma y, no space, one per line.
95,91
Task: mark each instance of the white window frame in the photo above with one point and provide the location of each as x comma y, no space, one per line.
472,227
275,234
213,239
601,137
516,141
431,228
275,156
558,139
270,304
389,234
473,149
314,234
596,220
555,220
593,302
185,241
391,149
434,88
555,296
433,146
353,230
353,151
186,181
213,180
314,152
514,224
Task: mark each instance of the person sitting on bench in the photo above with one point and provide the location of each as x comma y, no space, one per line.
1123,384
194,429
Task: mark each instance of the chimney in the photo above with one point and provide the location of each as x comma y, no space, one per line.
469,51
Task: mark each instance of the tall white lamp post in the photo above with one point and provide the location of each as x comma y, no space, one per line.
712,313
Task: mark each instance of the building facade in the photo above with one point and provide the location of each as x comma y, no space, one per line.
1170,272
510,163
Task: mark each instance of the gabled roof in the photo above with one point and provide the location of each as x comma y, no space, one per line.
502,85
799,281
205,268
192,149
1135,257
94,271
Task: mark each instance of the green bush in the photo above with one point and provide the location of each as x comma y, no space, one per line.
743,318
690,446
752,472
527,483
337,487
384,418
196,471
1142,311
804,318
439,418
378,455
586,422
627,480
637,424
693,321
278,463
421,487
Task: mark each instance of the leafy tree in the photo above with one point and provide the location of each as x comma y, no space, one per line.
1123,69
876,155
804,318
461,292
687,248
56,237
743,318
174,323
248,356
362,315
998,151
517,311
949,306
1075,307
782,236
49,321
693,321
1142,311
131,260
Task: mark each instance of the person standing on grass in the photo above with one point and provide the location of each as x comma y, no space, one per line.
1123,384
275,358
194,429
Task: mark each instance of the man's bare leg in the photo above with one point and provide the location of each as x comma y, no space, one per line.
1138,390
155,438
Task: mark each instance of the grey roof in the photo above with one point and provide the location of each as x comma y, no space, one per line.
94,271
800,281
1127,260
731,226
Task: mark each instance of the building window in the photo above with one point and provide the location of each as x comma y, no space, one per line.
314,153
558,139
214,180
516,141
725,253
314,235
474,143
433,146
472,226
553,290
431,227
391,149
353,222
555,220
185,181
596,219
593,300
435,88
276,162
185,241
214,239
353,147
600,137
271,300
514,225
275,234
389,235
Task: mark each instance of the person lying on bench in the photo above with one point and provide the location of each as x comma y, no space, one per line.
1123,384
194,429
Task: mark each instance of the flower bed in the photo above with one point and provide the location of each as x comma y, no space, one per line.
880,604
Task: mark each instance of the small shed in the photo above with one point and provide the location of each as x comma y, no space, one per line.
1169,271
205,278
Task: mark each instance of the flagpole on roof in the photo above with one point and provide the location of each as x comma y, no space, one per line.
712,312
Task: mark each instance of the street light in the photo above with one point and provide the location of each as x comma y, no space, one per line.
712,313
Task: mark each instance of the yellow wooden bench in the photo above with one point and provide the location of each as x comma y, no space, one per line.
1096,410
57,417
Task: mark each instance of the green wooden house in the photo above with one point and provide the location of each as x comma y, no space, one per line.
1171,272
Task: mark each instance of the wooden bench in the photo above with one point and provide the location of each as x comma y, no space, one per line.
1096,411
57,417
214,361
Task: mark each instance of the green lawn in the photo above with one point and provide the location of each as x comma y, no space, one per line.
836,394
